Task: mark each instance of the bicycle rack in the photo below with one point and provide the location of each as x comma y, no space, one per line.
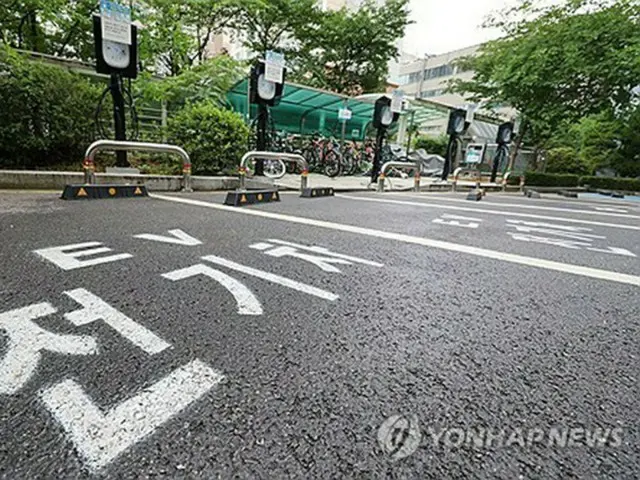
416,167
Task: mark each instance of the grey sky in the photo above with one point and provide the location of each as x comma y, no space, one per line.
445,25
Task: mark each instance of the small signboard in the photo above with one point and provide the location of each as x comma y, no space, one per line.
471,109
396,101
355,133
274,67
344,114
116,22
474,154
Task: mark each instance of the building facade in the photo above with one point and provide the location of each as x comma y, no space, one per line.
428,77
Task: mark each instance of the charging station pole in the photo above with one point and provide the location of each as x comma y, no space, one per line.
119,118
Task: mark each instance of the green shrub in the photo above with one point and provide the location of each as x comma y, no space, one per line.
215,139
612,183
433,145
47,114
536,179
565,160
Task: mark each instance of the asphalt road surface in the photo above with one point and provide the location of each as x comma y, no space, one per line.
361,336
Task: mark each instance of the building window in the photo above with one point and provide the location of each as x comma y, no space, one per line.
432,93
437,72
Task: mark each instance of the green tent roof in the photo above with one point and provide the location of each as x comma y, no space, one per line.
306,110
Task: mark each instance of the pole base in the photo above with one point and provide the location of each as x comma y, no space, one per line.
317,192
96,192
242,198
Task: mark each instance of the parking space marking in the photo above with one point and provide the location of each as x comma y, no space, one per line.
27,341
491,212
95,309
68,257
458,221
100,437
247,302
531,207
273,278
178,237
480,252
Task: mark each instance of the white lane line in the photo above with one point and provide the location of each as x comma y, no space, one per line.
529,207
100,437
480,252
247,302
273,278
491,212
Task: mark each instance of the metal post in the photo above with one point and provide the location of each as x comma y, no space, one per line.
163,120
299,159
448,163
261,140
89,163
383,173
375,171
416,178
119,118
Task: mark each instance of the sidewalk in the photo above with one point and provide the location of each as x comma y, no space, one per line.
343,184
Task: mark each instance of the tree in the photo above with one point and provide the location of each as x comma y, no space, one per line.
350,51
176,34
275,24
55,27
208,81
560,63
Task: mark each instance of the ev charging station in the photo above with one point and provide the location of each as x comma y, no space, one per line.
456,128
116,49
266,86
385,114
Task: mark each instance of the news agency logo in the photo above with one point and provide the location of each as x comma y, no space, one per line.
400,436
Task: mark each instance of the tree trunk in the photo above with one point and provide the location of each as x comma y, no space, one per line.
518,144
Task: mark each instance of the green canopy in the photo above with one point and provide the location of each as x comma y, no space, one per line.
306,110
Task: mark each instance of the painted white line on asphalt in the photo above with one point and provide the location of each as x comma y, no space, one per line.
458,217
27,341
559,200
100,437
491,212
325,251
273,278
480,252
95,309
67,256
178,237
247,302
529,207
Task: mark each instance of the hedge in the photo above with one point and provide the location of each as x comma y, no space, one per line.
536,179
47,114
612,183
432,145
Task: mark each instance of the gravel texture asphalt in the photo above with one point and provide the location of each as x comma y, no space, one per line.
454,340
